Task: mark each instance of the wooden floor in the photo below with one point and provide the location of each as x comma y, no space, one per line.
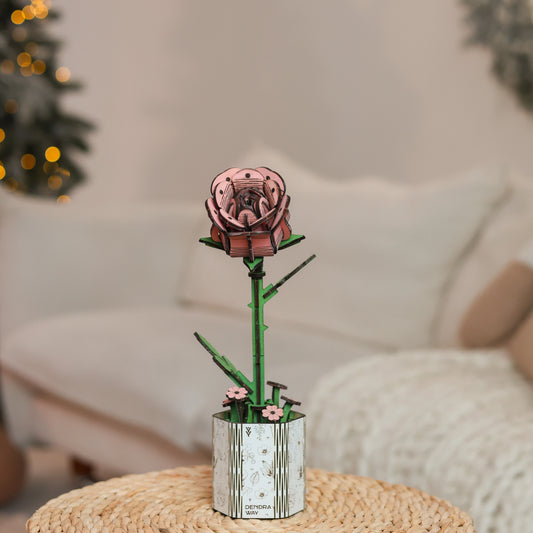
48,477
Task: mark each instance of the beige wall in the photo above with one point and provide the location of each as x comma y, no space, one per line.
179,88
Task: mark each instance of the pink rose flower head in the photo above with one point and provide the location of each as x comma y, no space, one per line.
272,412
249,211
237,393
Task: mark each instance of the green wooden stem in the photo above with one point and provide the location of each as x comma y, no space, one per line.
251,410
275,396
258,330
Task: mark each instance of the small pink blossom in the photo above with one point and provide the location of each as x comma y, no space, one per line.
237,393
272,412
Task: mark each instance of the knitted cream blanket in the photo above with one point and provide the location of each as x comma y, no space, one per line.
457,424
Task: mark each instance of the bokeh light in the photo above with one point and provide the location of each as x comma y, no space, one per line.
55,182
32,48
38,67
63,74
52,153
11,106
24,59
63,199
27,161
40,10
2,135
28,12
7,66
2,172
17,17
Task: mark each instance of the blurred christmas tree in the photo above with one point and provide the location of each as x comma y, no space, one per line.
506,27
37,138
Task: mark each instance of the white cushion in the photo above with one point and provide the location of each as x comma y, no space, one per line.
506,231
385,253
144,367
61,258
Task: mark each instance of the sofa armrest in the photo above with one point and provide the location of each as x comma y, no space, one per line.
64,258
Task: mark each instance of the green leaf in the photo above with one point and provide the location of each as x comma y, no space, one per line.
291,241
208,241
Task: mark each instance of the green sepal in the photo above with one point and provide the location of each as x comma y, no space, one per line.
252,263
208,241
291,241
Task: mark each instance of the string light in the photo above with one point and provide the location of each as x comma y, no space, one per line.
11,106
55,182
24,59
40,10
38,67
27,161
26,64
28,12
62,74
17,17
32,48
52,154
7,66
38,3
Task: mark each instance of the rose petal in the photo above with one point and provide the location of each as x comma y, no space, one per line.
241,181
214,215
285,227
265,218
283,206
223,195
230,222
223,177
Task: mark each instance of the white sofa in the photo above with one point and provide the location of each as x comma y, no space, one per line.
98,306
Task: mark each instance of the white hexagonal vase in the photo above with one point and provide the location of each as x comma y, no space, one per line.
258,469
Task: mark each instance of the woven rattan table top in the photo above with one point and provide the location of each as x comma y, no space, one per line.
179,500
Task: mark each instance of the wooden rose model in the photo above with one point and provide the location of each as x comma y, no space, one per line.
250,212
258,444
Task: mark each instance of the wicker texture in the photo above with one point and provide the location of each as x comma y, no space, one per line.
179,500
456,423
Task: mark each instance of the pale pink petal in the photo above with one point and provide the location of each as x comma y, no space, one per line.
223,177
240,396
232,392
